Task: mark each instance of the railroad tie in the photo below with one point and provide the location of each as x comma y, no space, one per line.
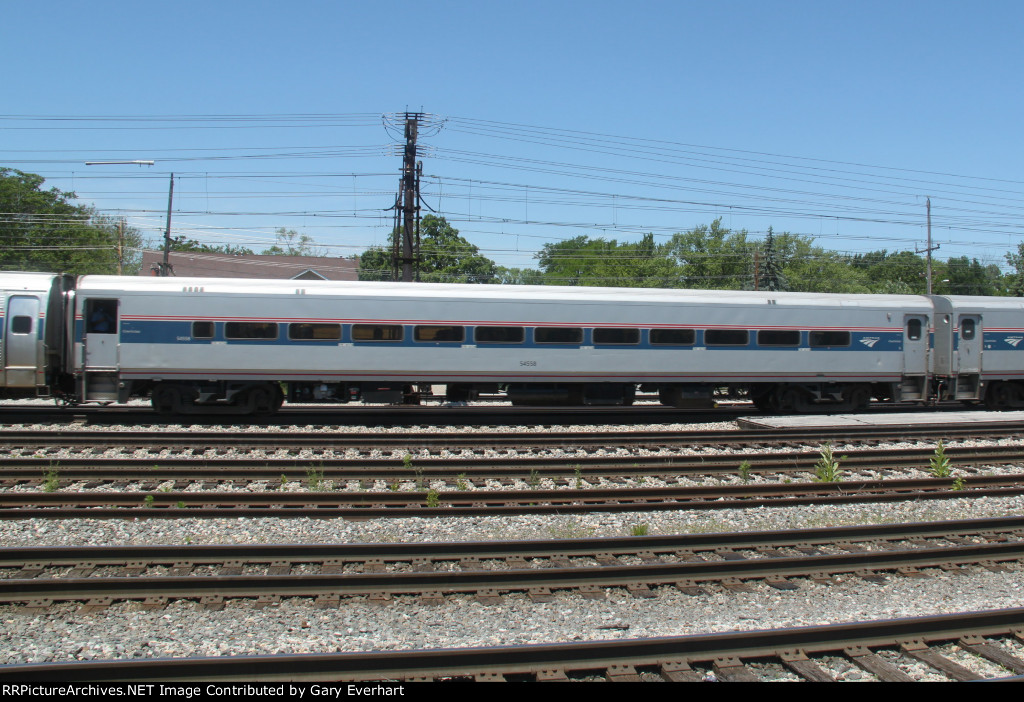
979,646
922,652
621,673
882,669
732,670
799,663
679,671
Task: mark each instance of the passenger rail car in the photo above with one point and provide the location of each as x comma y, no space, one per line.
249,345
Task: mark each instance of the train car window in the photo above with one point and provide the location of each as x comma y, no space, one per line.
21,324
101,317
616,336
377,332
499,335
432,332
558,335
778,337
250,330
305,331
967,329
913,329
202,330
819,339
726,337
673,337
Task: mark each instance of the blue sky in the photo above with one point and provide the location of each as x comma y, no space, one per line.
830,119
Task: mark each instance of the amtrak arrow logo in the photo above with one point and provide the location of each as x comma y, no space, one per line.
1014,340
869,341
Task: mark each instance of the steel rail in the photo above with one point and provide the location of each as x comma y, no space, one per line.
475,468
390,504
671,657
520,579
12,439
991,528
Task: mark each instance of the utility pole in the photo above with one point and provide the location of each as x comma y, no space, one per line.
930,248
120,246
409,204
165,267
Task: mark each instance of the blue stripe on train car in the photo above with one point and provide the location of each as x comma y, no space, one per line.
135,331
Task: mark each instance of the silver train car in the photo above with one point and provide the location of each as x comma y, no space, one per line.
247,346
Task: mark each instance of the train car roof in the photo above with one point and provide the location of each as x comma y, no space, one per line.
111,285
16,280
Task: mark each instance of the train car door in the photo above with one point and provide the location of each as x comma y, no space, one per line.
915,357
968,353
21,341
101,338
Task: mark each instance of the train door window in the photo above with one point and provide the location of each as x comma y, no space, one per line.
101,316
726,337
913,329
620,336
558,335
778,337
673,337
376,332
821,339
499,335
437,332
304,331
21,324
967,329
250,330
202,330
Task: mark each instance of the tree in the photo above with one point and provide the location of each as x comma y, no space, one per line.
771,277
43,230
1015,286
712,258
291,243
180,243
585,261
969,277
445,257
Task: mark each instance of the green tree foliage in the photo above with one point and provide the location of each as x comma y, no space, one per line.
291,243
43,230
182,244
968,277
770,275
445,257
713,257
1015,280
585,261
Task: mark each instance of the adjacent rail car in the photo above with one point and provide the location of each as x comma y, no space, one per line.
247,346
31,341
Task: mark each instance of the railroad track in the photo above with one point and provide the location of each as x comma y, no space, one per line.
15,441
100,576
566,468
874,647
371,505
390,416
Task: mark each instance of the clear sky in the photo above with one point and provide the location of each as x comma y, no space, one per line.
548,120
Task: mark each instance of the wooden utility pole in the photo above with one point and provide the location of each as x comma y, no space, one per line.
928,205
120,246
407,253
929,248
165,267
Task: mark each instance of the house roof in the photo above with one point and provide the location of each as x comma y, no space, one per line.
189,264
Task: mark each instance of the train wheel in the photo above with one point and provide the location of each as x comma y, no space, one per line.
166,399
859,397
262,401
1000,395
789,400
